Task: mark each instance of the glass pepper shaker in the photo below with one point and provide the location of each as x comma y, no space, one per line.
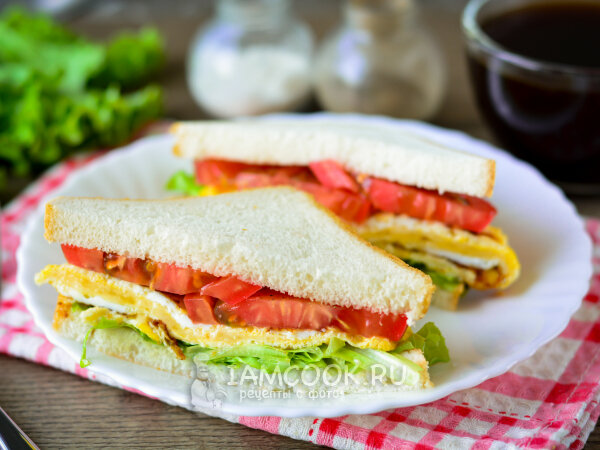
380,61
254,57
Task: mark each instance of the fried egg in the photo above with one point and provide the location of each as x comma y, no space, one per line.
487,254
143,307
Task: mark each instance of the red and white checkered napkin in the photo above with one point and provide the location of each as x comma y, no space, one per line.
550,400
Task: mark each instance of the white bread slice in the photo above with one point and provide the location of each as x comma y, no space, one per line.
128,345
385,152
275,237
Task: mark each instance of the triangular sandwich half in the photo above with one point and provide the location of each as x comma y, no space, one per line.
264,278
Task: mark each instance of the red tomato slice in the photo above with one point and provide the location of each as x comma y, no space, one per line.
348,206
272,309
248,180
86,258
275,310
217,171
331,174
462,211
262,176
179,280
200,308
355,208
368,324
128,269
473,213
230,289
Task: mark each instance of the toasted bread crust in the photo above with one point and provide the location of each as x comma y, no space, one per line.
491,178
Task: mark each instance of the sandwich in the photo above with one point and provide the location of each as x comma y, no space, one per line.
265,279
414,198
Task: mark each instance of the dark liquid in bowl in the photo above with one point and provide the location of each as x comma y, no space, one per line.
552,122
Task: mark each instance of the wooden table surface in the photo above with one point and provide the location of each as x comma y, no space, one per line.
57,409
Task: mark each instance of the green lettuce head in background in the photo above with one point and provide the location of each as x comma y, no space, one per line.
60,93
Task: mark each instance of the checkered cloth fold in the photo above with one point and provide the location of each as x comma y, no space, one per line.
549,400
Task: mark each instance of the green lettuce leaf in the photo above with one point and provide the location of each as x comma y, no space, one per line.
78,307
442,281
256,356
184,183
61,94
131,59
336,352
104,323
397,367
429,339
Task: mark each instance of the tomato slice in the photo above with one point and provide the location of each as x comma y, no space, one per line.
275,310
200,308
241,303
368,324
338,190
248,180
271,309
217,171
85,258
331,174
462,211
230,289
355,208
348,206
179,280
127,269
344,202
473,214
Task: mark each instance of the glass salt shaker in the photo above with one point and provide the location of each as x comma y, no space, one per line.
381,61
253,58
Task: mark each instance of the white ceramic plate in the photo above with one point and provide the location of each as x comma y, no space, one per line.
489,334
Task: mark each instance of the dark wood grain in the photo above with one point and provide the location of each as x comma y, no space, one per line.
59,410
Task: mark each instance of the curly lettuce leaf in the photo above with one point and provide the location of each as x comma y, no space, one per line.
35,42
44,127
429,339
60,93
336,352
131,59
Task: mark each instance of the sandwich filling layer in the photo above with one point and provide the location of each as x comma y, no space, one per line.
102,302
212,300
145,306
119,335
447,236
481,261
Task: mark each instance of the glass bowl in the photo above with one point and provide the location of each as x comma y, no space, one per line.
546,113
